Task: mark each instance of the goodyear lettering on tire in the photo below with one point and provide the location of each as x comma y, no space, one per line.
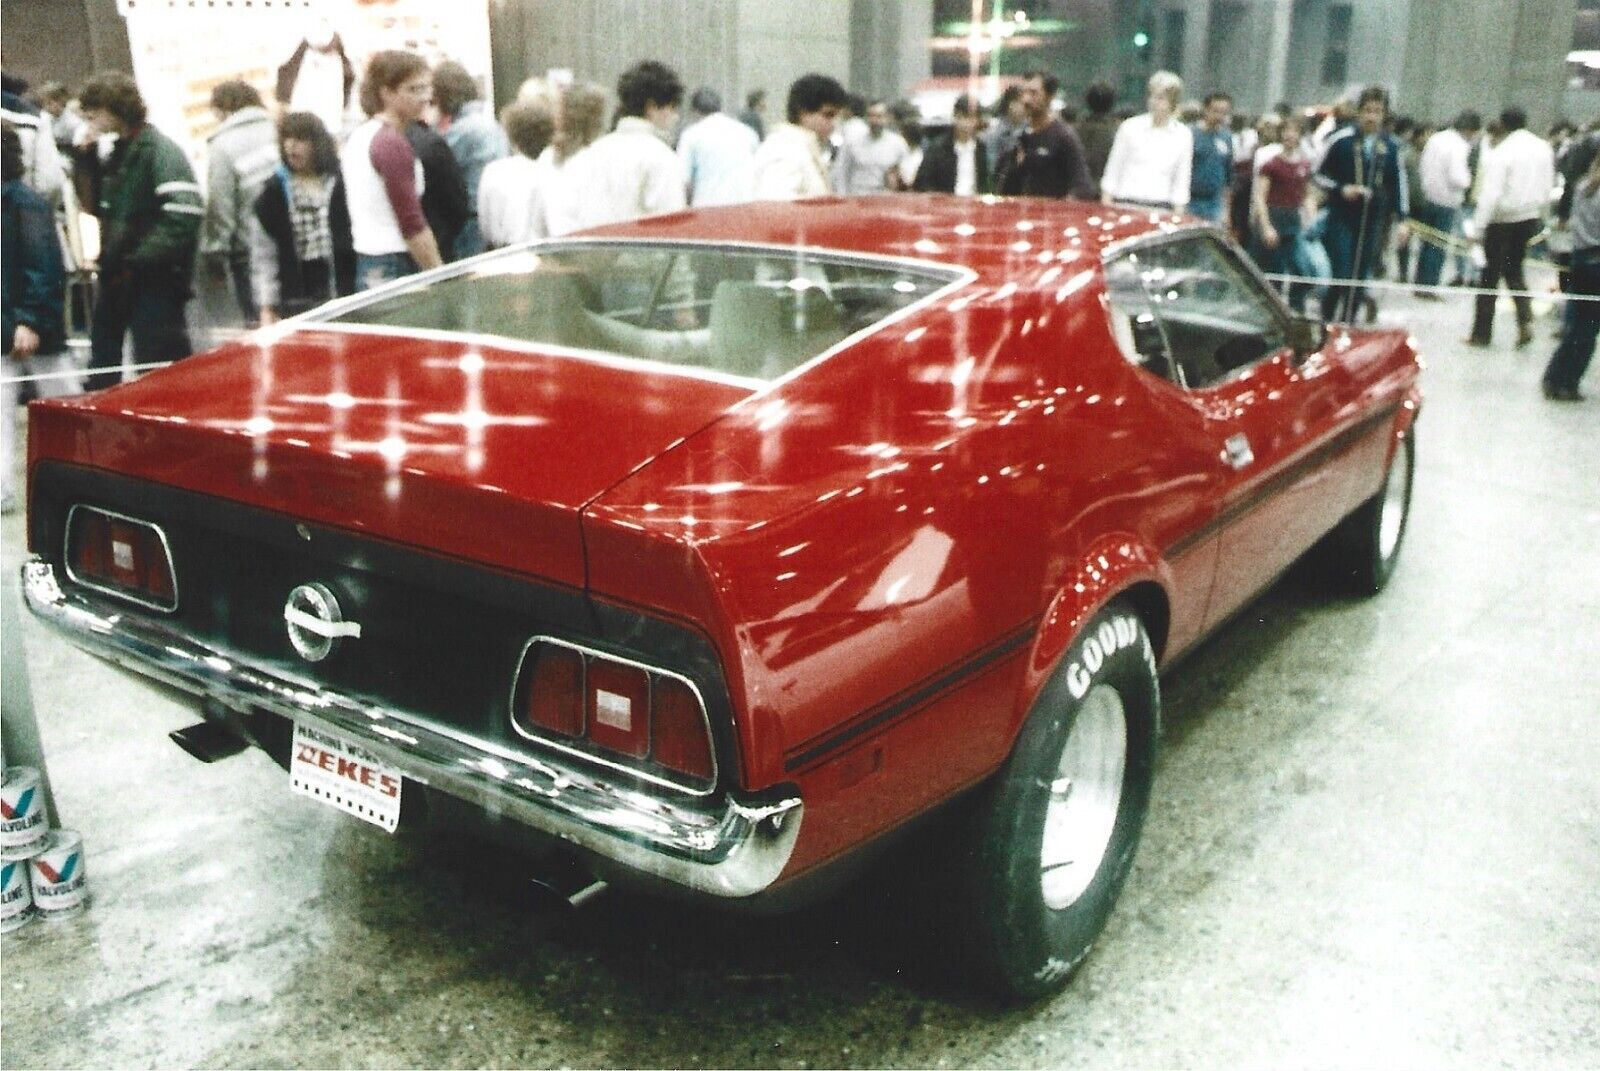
1109,637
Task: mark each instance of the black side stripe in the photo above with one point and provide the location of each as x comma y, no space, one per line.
917,695
1344,440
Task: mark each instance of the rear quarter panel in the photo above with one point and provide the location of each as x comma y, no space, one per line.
883,535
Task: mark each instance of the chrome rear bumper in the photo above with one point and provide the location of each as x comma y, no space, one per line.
729,848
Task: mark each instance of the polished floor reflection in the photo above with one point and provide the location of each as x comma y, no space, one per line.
1375,839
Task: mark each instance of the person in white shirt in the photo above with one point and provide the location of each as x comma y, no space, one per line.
869,155
718,153
1152,154
632,172
789,164
511,189
383,179
1341,115
908,121
318,78
42,171
580,111
1519,175
1445,172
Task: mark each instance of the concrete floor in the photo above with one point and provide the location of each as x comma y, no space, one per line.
1375,841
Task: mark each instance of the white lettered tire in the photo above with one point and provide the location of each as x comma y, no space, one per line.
1052,842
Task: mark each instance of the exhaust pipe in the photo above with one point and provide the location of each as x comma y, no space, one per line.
587,893
567,888
209,741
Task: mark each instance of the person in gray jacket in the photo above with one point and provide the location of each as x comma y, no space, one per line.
242,154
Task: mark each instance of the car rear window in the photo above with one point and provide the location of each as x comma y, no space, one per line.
754,313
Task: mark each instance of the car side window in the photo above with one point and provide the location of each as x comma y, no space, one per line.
1216,320
1139,334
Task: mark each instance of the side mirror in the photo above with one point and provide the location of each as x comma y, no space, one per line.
1306,335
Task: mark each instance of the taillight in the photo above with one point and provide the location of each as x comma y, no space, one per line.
552,698
120,555
677,730
621,713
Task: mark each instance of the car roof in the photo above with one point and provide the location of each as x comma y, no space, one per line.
995,237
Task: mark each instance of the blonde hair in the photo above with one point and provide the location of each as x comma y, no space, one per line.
537,90
580,117
1166,84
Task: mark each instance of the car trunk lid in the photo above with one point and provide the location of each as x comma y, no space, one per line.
465,447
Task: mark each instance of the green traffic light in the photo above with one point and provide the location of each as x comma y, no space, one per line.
1141,39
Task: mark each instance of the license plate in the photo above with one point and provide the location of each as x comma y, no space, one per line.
345,775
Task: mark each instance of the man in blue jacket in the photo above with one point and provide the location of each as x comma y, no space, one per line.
1361,174
31,295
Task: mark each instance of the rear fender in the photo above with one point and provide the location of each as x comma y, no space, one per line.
1410,409
1114,566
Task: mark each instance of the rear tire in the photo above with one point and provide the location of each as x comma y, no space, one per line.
1052,842
1363,551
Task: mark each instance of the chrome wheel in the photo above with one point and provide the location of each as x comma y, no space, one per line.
1396,497
1085,797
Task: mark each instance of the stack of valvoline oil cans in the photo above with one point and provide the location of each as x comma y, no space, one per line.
41,869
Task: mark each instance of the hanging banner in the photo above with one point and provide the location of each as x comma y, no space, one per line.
290,50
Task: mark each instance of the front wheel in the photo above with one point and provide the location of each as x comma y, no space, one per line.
1052,843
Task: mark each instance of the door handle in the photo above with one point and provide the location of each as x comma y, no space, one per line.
1236,452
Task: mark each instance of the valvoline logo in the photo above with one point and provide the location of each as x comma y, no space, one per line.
64,875
24,802
8,874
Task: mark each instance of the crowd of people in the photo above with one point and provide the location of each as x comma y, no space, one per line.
293,213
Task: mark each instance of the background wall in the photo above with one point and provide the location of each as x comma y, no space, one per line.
889,46
62,40
1436,56
731,45
778,42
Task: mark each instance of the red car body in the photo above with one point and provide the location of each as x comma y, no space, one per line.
885,554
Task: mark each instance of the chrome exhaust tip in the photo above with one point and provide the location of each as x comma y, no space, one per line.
209,741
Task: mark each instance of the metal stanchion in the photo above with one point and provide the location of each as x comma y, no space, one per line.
19,731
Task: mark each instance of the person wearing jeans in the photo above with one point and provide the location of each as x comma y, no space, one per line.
1582,317
1445,175
1361,174
382,177
1278,204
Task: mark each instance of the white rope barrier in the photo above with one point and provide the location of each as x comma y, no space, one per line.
84,373
1442,291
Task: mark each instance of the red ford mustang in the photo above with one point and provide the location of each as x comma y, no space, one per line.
716,547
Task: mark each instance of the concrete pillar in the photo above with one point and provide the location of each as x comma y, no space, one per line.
1538,58
1281,16
599,39
778,42
19,731
1485,55
64,41
889,50
1197,47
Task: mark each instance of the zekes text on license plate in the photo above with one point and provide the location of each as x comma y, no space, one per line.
343,775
